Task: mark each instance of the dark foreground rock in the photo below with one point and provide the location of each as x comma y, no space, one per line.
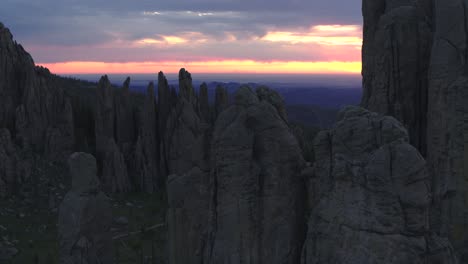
370,196
85,216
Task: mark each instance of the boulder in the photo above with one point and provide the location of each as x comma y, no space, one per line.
85,216
370,196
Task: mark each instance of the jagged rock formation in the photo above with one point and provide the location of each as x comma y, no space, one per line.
448,123
164,107
426,78
34,110
147,146
203,105
249,209
221,100
187,142
395,57
258,197
85,216
370,196
185,132
32,107
124,120
113,168
185,87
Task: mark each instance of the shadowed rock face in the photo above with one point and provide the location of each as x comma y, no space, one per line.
9,178
370,196
421,78
34,111
203,105
258,198
147,146
85,216
249,207
114,173
396,54
32,107
221,100
448,123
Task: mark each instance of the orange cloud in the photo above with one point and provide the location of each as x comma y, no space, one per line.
328,35
224,66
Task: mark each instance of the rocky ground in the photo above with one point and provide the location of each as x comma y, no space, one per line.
28,221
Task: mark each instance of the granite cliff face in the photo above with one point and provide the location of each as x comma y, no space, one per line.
35,115
447,123
249,206
33,108
414,68
395,56
370,196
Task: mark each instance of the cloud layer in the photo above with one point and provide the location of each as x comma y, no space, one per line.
186,30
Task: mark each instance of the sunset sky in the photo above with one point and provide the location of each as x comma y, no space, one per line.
205,36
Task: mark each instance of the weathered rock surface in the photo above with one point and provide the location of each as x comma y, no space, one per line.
32,107
250,207
396,53
186,88
85,216
187,155
187,216
164,106
124,120
203,105
113,168
187,137
370,196
448,123
221,100
9,178
147,145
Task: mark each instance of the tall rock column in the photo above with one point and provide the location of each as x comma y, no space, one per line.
164,106
448,123
395,57
203,105
147,145
221,100
187,154
113,168
258,196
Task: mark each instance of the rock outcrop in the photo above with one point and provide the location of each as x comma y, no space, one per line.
370,196
124,119
85,216
113,169
186,134
187,154
164,106
448,123
421,78
258,205
32,107
396,53
221,100
203,105
9,178
249,208
147,146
